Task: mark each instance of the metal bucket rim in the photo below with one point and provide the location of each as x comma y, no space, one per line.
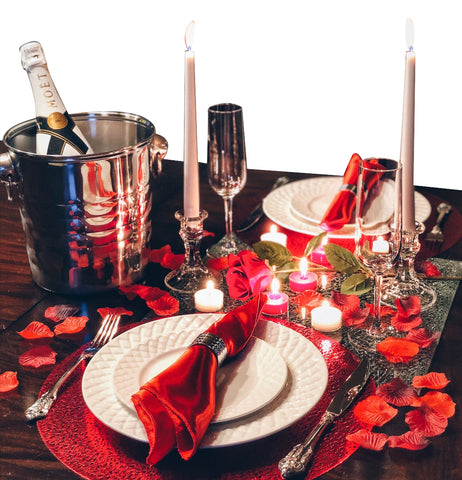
15,130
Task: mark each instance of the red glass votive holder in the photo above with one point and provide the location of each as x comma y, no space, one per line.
276,303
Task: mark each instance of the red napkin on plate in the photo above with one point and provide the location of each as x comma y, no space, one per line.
341,210
177,405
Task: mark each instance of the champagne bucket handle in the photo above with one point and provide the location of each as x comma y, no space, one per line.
7,174
159,148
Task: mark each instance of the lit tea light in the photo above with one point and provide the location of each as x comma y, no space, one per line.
274,236
277,301
326,318
318,255
380,246
209,299
303,280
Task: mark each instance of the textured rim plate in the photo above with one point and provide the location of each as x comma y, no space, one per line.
284,206
306,381
247,383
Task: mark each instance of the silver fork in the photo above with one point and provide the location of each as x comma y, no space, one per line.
105,334
436,234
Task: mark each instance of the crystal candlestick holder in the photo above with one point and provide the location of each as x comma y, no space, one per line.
406,282
192,275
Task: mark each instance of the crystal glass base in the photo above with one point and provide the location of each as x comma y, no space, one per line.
228,244
192,275
366,339
406,283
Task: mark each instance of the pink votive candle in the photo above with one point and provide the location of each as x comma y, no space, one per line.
277,302
303,280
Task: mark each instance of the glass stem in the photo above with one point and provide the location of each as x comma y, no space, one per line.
229,215
376,327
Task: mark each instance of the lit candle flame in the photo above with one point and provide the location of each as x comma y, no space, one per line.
324,281
303,313
273,229
325,241
189,36
210,285
410,34
275,286
303,267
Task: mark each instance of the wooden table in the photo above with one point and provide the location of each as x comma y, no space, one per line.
22,452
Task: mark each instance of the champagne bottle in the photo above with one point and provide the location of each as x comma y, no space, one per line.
57,133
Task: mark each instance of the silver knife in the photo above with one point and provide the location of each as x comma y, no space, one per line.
257,213
296,461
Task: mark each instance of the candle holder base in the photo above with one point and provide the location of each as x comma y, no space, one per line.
192,275
406,283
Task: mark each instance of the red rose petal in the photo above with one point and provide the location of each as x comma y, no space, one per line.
206,233
408,306
57,313
36,330
355,316
409,441
172,261
71,325
428,268
406,323
309,299
367,439
397,350
165,305
158,254
219,264
440,402
398,393
104,311
143,291
423,337
433,380
374,411
8,381
38,356
426,421
343,301
385,310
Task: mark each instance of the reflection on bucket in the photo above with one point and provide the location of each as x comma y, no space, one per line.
87,218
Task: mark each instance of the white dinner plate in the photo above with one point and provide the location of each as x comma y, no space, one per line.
299,206
306,381
245,384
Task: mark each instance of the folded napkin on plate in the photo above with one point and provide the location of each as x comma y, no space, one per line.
341,210
177,405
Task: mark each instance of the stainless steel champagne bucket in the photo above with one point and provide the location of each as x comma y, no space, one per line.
87,218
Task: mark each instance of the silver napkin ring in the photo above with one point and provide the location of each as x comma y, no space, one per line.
348,186
215,343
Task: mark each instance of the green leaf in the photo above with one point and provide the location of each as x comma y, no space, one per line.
314,243
274,252
342,259
356,284
287,266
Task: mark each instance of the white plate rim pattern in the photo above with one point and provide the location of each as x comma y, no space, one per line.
277,206
139,362
307,381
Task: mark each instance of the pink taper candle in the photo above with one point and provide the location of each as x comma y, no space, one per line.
407,133
191,166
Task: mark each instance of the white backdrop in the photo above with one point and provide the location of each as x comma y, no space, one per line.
317,80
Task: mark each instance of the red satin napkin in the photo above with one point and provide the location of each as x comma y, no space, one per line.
342,207
177,405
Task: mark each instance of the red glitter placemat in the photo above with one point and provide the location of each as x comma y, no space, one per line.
86,446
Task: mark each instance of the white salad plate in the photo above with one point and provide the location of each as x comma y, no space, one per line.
299,206
305,382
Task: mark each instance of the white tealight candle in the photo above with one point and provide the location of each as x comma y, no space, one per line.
274,236
208,299
380,246
326,318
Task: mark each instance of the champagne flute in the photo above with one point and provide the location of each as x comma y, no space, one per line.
377,237
227,168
